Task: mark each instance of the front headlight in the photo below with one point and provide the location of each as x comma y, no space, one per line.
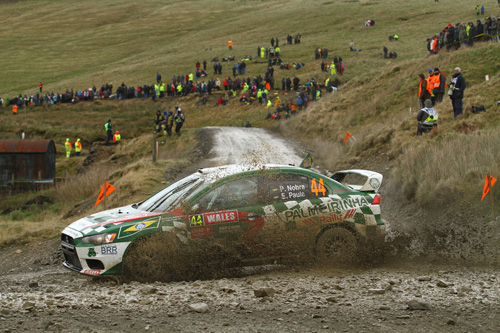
99,239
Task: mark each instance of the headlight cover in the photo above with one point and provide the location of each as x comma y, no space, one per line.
99,239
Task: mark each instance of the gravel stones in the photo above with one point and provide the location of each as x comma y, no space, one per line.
199,307
264,292
417,305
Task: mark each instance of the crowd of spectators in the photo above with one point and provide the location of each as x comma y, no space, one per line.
452,37
249,89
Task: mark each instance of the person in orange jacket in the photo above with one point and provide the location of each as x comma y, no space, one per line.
78,147
423,90
439,84
230,44
14,109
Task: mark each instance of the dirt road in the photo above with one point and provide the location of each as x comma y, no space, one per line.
394,295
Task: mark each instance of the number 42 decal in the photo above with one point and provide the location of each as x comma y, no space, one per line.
318,187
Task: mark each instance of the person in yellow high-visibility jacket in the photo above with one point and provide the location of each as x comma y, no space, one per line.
69,148
78,147
117,137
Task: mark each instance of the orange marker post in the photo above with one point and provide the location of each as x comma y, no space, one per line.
488,184
106,190
109,188
347,136
101,196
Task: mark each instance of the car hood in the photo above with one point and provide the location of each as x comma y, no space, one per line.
106,220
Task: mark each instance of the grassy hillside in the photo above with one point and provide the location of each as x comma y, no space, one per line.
75,45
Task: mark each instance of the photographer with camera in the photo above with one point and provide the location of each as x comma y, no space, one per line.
456,92
427,118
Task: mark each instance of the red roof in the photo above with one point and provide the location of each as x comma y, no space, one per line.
24,146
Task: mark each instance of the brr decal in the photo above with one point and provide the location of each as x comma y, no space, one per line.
109,249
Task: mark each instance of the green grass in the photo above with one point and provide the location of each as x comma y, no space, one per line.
75,45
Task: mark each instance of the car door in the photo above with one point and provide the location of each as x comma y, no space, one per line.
292,213
227,212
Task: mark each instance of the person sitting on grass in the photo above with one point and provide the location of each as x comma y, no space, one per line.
221,101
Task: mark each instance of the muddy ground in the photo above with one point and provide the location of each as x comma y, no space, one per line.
440,273
38,294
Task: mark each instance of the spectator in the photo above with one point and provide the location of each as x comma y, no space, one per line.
179,120
456,92
424,91
109,131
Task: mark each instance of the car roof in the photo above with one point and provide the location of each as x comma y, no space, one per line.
215,173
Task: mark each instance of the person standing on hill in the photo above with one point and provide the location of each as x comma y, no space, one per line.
109,131
158,77
179,120
169,123
493,29
230,44
430,85
439,85
423,90
204,65
456,92
68,147
41,86
78,147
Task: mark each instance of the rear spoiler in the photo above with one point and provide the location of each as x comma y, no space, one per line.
371,184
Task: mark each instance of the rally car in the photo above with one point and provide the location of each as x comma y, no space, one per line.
248,213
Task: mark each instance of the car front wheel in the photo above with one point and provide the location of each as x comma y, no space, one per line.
155,258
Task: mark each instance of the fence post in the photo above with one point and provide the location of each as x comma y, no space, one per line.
12,184
154,148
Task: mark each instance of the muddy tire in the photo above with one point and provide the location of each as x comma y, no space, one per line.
155,258
336,247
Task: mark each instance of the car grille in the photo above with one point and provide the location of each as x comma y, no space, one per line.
71,259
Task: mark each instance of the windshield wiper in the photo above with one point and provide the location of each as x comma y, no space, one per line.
175,190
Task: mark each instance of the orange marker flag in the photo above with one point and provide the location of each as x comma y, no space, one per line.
109,188
100,197
488,184
347,135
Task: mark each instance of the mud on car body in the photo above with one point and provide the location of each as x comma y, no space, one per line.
254,213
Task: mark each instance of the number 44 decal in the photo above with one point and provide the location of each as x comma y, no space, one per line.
318,187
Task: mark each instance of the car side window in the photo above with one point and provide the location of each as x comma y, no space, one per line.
288,187
233,194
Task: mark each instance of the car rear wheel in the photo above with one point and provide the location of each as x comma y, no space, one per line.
336,246
155,258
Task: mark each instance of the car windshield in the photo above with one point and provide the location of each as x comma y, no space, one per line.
172,196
